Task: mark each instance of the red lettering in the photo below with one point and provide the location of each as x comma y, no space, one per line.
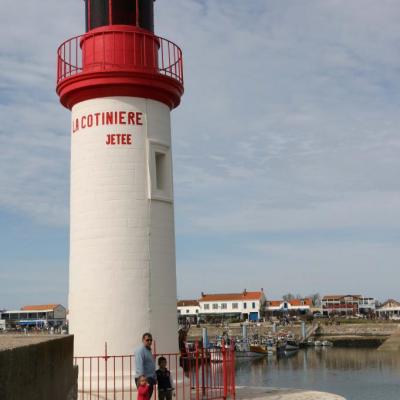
75,125
131,118
118,138
109,118
97,118
90,120
122,115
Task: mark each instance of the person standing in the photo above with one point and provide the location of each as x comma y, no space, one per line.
144,362
165,383
143,389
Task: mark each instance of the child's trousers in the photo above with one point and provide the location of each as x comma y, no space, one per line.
165,395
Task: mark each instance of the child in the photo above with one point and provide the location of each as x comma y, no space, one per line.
164,380
143,389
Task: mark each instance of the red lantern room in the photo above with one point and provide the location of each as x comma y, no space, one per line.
119,55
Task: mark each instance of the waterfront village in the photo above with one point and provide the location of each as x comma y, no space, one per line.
223,308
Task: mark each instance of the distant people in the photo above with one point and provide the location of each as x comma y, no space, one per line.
144,362
143,388
165,384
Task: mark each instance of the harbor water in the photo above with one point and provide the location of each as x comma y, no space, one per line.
356,374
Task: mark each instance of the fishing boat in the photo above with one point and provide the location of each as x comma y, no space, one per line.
292,345
243,351
259,349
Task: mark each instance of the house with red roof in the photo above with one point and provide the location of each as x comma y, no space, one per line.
36,315
339,304
246,305
293,306
188,311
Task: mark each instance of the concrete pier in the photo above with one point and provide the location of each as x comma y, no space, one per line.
392,343
264,393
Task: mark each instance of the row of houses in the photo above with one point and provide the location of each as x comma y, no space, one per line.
254,306
246,305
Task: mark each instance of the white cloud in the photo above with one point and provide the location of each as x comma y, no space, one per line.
289,121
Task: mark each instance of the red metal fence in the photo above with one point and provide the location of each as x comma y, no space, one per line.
119,49
205,374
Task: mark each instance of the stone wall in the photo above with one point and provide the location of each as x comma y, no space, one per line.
37,368
360,329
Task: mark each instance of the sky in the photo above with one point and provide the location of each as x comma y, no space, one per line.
285,147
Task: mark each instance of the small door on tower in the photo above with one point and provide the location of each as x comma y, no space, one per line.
138,13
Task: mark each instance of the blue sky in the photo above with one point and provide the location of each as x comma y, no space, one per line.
286,147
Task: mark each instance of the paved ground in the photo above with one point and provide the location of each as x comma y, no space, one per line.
242,393
259,393
8,342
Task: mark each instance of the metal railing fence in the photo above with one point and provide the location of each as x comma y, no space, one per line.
119,50
200,374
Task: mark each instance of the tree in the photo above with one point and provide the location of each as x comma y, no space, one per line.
316,299
288,297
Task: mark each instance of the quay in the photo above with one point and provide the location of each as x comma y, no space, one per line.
393,343
364,334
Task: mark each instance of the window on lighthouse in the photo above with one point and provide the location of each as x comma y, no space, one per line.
98,10
160,170
124,12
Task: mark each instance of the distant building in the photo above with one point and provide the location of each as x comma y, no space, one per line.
188,311
366,305
341,304
291,307
349,304
36,315
389,309
243,306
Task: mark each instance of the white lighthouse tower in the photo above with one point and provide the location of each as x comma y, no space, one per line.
121,83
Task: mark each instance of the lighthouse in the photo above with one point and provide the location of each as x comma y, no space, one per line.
121,82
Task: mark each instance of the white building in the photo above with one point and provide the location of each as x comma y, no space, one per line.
390,309
294,306
36,315
188,310
188,307
341,304
245,305
366,305
348,304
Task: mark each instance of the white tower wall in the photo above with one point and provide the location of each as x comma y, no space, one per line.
122,240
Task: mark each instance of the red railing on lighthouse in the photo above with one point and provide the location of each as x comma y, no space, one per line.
198,374
113,49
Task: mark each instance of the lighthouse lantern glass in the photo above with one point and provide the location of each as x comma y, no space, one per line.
119,12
